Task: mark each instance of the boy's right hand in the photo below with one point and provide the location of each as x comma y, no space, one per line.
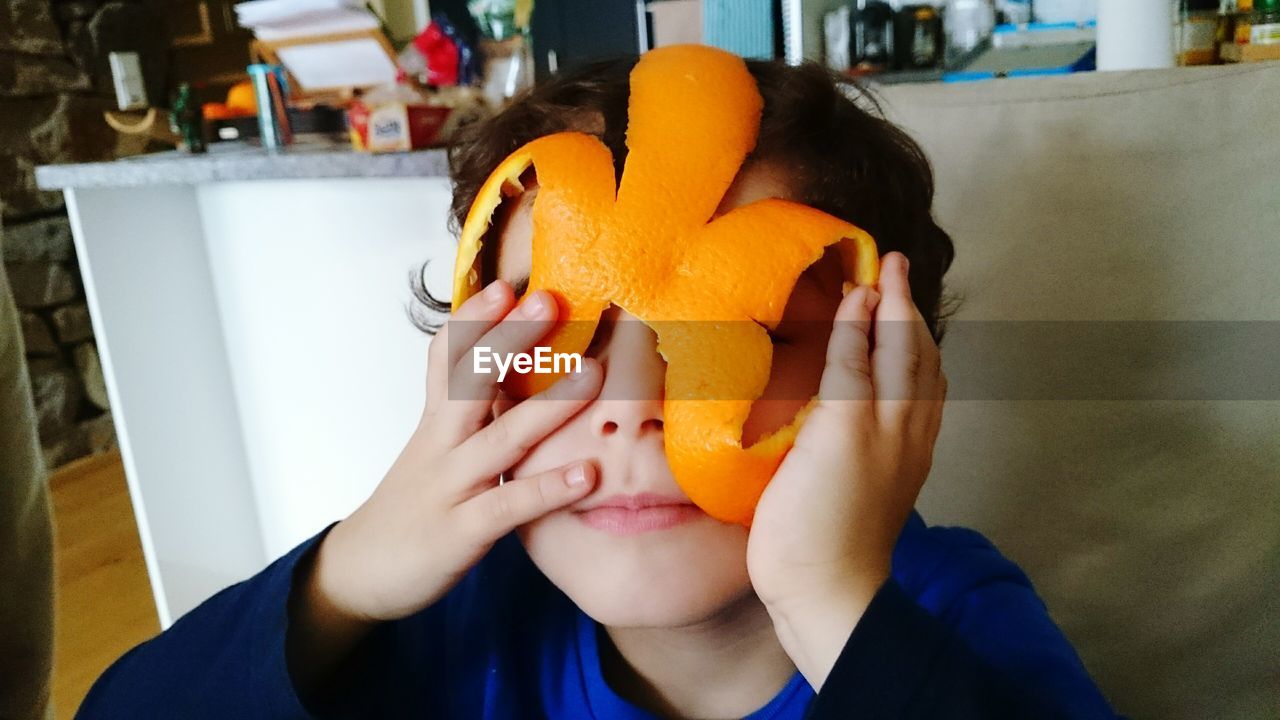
440,507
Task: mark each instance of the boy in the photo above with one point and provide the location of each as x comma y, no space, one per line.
537,559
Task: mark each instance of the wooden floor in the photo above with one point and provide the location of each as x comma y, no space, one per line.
104,603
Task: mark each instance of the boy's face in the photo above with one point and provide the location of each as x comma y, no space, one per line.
636,552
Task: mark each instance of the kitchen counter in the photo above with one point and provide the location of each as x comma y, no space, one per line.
249,308
231,161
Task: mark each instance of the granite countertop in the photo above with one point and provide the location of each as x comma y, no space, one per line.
231,161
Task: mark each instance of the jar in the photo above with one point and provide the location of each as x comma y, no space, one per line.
1265,23
1197,32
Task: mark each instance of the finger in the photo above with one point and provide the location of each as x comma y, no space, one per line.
935,418
505,441
847,374
437,368
925,421
471,391
900,353
477,316
499,510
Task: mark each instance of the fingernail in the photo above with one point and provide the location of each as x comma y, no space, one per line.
535,306
493,293
576,476
580,375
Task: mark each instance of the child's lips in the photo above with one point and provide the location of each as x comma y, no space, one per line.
634,514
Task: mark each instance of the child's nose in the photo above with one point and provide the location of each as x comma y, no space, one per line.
630,402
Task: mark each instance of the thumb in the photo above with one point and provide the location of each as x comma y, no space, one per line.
499,510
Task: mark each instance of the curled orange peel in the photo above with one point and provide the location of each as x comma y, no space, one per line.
651,244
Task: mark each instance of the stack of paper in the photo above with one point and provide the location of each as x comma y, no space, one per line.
263,12
320,60
283,19
349,63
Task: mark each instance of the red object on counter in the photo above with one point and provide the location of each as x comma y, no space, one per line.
441,55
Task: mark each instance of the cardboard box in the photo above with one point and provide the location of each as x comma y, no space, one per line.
1231,52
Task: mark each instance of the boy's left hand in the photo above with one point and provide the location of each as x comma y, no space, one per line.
825,527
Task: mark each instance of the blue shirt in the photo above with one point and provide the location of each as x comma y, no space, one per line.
590,696
957,632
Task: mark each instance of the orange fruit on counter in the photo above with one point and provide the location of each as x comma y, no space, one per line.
709,288
216,111
240,98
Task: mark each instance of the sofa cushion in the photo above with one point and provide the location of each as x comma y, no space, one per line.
1145,206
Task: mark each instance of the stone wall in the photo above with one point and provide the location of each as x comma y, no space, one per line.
53,91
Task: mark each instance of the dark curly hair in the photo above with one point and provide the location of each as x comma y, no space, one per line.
844,158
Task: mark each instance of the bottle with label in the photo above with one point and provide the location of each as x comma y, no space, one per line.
1265,23
1243,25
185,119
918,41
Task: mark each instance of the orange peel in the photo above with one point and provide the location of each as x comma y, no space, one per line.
651,244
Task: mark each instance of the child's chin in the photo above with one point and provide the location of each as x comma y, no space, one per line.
669,578
658,609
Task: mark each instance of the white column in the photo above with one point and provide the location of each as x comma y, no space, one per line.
150,295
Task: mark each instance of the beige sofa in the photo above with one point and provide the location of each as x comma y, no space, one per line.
1151,527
